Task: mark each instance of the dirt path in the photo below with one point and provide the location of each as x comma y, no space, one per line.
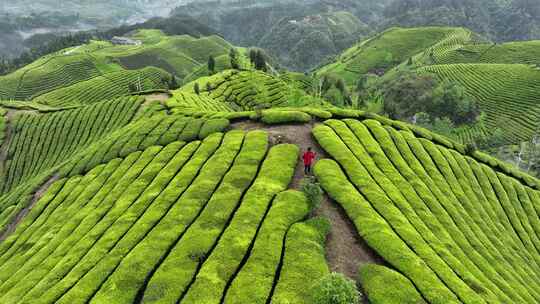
345,249
161,97
20,216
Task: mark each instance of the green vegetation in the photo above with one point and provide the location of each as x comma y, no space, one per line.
304,262
47,74
386,286
498,80
519,52
272,117
302,42
236,90
99,70
390,48
336,288
169,282
108,86
220,266
457,229
3,121
507,93
41,141
255,280
115,190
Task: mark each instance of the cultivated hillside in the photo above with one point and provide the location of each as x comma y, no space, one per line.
114,189
114,70
163,207
388,49
501,78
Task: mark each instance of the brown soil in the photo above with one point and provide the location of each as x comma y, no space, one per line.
20,216
345,249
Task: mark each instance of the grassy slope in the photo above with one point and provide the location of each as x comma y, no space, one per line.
507,93
118,188
461,231
179,55
502,78
388,49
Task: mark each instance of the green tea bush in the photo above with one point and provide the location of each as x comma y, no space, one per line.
335,288
253,283
471,224
213,126
272,117
313,191
385,286
304,262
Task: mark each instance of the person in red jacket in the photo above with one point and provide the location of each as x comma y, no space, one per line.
308,157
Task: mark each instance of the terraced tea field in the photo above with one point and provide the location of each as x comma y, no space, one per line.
40,141
508,94
235,90
459,230
108,86
392,47
100,70
521,52
202,198
167,208
46,75
153,209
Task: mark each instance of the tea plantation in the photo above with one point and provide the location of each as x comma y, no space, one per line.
198,195
111,69
501,77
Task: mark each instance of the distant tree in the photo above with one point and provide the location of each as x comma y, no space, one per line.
211,64
260,61
410,93
326,83
252,56
173,84
196,88
233,56
361,84
340,85
335,97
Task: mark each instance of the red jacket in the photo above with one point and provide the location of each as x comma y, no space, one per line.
308,158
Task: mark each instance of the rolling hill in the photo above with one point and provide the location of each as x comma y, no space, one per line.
302,43
166,206
112,69
382,52
501,78
114,189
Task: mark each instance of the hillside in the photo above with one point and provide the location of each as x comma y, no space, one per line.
132,174
501,78
302,43
161,206
507,93
382,52
111,70
300,34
